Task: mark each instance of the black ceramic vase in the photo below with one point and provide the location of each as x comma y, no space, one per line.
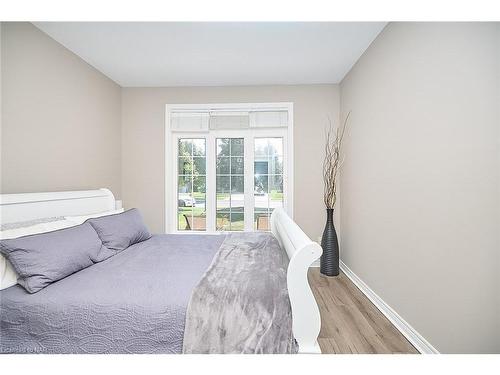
329,264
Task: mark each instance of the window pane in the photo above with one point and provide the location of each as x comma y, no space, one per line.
184,186
185,165
237,147
276,146
237,222
198,221
261,211
276,165
260,166
223,145
199,212
261,184
237,184
268,147
199,165
237,165
275,191
199,185
223,184
198,147
223,201
184,218
222,220
261,199
185,147
222,165
260,147
237,213
261,221
237,203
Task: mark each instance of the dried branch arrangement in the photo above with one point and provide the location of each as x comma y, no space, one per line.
333,162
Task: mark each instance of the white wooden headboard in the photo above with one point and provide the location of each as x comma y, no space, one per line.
29,206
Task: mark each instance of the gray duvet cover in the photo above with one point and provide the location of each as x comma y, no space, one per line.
133,302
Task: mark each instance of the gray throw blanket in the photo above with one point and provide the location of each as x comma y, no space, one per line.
241,304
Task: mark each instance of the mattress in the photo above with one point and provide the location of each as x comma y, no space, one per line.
133,302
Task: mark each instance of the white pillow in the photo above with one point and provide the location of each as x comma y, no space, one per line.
8,276
80,219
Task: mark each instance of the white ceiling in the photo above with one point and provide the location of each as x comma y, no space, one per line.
217,54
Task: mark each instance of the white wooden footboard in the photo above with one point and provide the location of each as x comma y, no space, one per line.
302,252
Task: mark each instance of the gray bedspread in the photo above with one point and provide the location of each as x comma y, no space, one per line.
241,304
133,302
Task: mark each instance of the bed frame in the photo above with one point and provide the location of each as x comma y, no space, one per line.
29,206
301,251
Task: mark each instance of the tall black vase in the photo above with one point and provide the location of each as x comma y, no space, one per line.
329,263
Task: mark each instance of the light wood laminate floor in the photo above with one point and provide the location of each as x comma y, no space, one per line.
350,323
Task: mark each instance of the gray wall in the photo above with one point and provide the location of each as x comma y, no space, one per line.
420,202
143,148
60,117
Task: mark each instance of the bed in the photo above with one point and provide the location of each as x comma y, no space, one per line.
174,293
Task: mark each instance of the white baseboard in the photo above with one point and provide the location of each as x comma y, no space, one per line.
415,338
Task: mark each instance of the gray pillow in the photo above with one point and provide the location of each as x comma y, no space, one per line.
41,259
119,231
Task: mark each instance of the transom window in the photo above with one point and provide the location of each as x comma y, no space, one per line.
229,168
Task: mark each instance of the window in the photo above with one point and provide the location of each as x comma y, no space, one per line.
230,184
228,167
191,186
268,179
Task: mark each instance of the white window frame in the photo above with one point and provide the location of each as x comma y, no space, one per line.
171,164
